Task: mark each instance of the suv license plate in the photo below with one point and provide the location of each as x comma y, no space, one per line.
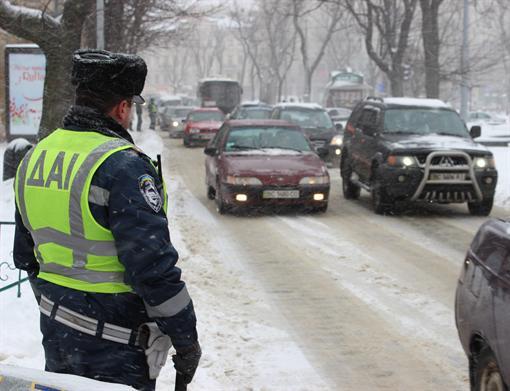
280,194
447,176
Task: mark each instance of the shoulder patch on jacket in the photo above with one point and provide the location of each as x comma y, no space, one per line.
150,192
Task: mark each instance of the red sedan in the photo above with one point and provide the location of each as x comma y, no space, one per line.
201,125
264,162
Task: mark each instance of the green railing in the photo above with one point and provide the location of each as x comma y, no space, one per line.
11,267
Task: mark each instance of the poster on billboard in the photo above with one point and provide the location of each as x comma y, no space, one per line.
25,67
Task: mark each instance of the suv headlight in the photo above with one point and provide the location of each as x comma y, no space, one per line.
194,130
483,162
314,180
402,161
175,124
337,140
243,180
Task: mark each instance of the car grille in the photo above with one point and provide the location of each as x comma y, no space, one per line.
318,143
443,161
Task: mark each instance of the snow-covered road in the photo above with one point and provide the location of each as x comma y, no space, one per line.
345,300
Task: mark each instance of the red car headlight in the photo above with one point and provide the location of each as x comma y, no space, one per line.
314,180
243,180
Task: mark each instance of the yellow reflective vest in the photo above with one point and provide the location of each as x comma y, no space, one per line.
52,191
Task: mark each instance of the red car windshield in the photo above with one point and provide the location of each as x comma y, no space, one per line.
266,138
206,116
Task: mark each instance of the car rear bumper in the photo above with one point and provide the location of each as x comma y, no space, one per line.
404,184
255,195
199,138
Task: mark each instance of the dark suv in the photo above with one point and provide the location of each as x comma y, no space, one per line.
317,125
404,149
482,304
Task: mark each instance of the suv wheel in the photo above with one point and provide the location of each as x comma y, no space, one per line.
482,208
487,374
351,191
381,202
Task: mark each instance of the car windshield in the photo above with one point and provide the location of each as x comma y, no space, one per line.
307,118
424,121
180,113
254,113
206,116
246,138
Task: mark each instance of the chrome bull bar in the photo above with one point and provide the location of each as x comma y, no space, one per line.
448,196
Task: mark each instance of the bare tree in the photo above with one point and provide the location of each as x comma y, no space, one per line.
268,38
58,38
431,45
330,16
390,20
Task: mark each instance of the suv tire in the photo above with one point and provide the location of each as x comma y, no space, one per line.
351,191
482,208
381,202
487,375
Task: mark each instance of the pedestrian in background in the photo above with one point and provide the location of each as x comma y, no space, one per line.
153,112
139,113
92,235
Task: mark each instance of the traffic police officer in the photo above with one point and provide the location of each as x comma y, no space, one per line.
92,234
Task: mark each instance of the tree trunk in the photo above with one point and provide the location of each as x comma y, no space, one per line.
431,45
307,97
396,83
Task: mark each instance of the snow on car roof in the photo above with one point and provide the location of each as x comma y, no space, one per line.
313,106
217,79
261,122
421,102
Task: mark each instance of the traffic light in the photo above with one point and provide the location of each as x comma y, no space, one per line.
407,71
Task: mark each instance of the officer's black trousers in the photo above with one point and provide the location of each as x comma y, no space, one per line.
72,352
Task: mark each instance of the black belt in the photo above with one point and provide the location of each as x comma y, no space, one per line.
88,325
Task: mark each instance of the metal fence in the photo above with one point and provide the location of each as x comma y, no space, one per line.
6,264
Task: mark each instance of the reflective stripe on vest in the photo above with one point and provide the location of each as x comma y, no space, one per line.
80,274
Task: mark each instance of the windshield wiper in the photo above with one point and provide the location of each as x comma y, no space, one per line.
289,148
241,147
401,132
448,134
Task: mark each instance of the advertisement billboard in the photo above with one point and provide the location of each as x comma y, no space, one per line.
25,67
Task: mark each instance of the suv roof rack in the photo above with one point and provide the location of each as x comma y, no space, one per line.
377,98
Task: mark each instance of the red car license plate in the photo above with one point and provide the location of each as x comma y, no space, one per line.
280,194
207,136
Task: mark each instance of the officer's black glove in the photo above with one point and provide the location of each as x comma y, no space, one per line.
186,361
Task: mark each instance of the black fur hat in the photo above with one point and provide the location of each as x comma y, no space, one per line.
110,73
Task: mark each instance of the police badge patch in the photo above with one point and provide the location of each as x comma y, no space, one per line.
150,192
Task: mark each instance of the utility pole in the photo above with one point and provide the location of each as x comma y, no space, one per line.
464,65
100,24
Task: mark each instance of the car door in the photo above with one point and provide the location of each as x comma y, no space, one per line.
366,143
501,301
211,162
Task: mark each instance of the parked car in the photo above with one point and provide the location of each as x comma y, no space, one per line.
316,124
403,149
252,110
339,115
264,163
173,120
484,117
201,125
482,307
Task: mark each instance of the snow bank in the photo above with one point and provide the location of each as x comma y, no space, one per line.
502,159
24,377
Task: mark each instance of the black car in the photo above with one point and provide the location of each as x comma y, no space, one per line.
403,149
482,303
317,125
252,110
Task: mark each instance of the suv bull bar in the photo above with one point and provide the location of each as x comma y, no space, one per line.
458,196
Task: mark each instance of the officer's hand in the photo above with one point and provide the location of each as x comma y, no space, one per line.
186,361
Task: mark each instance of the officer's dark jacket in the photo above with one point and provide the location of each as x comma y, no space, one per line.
141,236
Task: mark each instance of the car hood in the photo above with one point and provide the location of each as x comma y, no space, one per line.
260,163
320,134
205,124
431,142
